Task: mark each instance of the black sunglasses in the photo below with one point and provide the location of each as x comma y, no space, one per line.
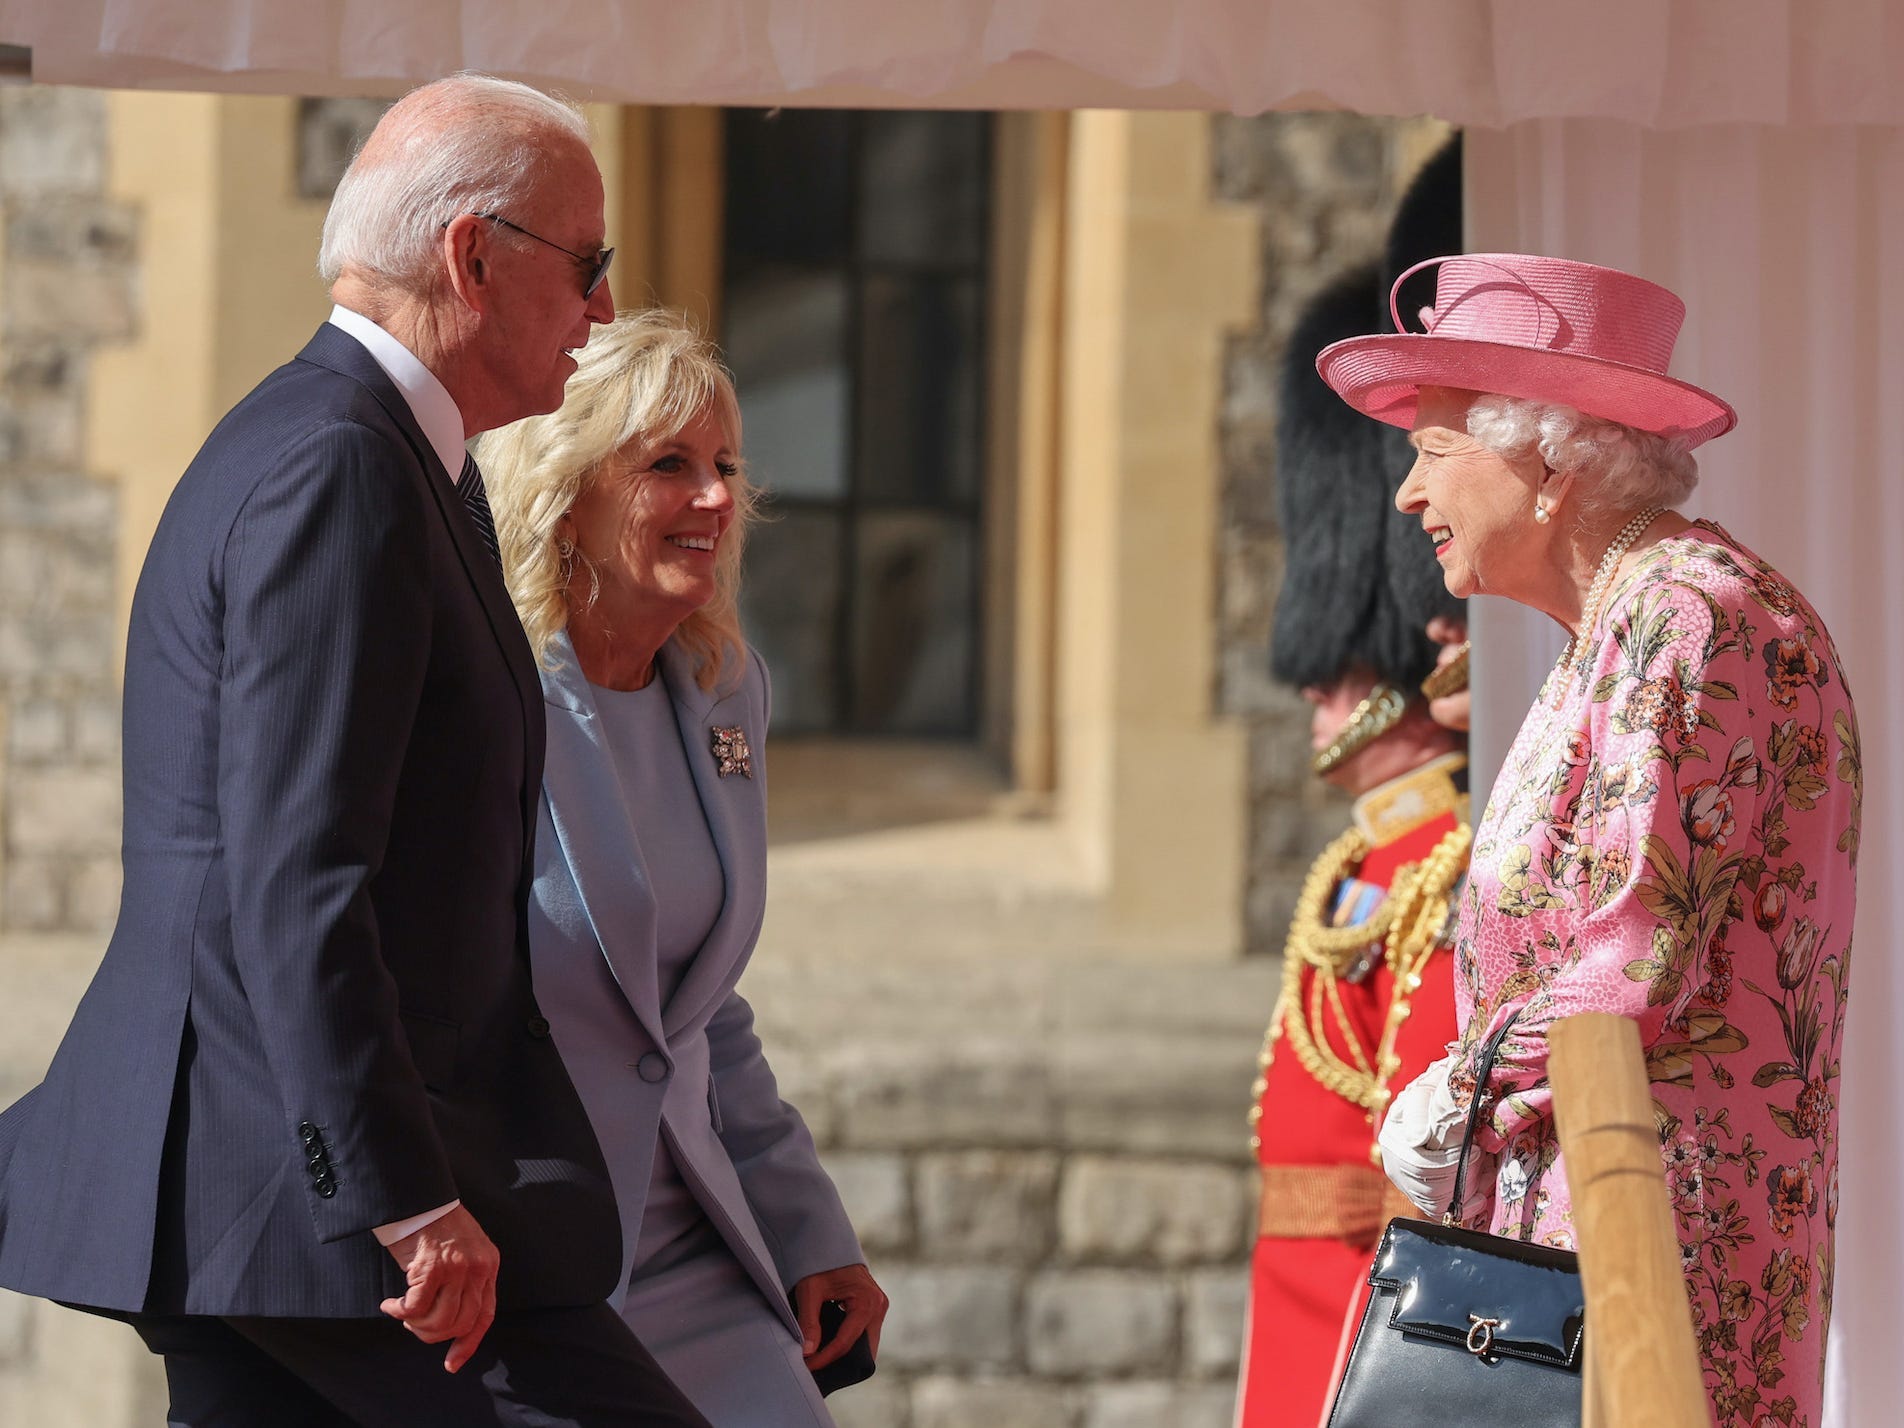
597,266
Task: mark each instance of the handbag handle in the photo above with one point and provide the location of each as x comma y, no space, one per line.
1483,1069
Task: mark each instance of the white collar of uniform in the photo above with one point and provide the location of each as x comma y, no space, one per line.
1397,808
429,400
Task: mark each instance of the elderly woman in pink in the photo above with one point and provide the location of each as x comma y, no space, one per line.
1673,835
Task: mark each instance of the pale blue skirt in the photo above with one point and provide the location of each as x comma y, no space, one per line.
702,1316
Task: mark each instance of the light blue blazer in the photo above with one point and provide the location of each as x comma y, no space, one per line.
692,1069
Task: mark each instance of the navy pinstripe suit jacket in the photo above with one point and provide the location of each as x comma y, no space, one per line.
315,1014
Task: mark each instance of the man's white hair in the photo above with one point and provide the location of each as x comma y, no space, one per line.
471,143
1621,469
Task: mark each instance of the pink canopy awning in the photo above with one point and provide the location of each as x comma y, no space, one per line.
1665,63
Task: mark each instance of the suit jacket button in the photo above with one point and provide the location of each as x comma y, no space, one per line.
307,1132
653,1067
327,1190
539,1027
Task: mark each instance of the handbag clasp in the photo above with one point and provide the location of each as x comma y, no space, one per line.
1481,1334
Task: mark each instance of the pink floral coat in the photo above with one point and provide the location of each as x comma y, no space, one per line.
1677,844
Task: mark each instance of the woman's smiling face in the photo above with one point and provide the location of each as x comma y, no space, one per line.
1477,506
651,524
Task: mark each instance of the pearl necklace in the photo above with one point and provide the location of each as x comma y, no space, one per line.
1574,656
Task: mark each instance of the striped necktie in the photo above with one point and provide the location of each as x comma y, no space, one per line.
476,502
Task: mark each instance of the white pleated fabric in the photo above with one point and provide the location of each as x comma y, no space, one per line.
1788,247
1659,62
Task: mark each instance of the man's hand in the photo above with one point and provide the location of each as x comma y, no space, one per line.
851,1285
451,1266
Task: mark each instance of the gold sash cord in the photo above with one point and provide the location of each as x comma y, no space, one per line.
1329,1202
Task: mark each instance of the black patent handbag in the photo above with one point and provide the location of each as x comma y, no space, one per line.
1463,1327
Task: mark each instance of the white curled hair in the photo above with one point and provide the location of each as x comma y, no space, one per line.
1620,469
470,143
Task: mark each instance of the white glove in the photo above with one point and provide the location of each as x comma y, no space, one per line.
1421,1138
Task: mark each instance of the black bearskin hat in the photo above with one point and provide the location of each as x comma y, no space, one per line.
1360,580
1427,225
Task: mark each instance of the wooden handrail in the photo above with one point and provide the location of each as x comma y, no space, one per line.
1642,1366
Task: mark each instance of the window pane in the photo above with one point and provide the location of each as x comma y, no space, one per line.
786,342
790,608
855,248
913,615
788,190
919,425
922,188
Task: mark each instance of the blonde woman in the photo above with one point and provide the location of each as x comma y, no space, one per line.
621,518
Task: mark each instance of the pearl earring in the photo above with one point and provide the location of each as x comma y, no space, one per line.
1540,514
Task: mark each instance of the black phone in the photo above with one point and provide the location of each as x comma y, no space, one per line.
855,1365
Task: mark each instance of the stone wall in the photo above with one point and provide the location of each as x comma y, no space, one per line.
68,282
1045,1157
1325,186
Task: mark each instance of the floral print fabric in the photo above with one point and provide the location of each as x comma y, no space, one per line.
1677,844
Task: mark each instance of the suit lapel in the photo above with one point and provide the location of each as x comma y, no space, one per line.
338,351
589,808
736,810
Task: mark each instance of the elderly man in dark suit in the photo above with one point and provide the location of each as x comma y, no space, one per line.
310,1081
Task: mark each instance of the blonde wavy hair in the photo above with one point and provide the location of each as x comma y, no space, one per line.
644,378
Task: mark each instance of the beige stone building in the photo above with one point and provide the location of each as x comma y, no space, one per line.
1035,803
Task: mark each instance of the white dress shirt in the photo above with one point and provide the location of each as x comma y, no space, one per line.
430,403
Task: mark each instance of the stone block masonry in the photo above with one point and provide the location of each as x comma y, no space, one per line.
1325,186
68,282
1093,1280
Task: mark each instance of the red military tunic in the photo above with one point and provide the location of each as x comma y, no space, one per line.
1325,1198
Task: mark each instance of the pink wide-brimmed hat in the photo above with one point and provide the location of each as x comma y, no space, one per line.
1546,329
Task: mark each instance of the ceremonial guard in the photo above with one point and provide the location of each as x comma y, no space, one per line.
1367,995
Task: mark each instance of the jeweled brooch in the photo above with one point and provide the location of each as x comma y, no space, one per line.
731,754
